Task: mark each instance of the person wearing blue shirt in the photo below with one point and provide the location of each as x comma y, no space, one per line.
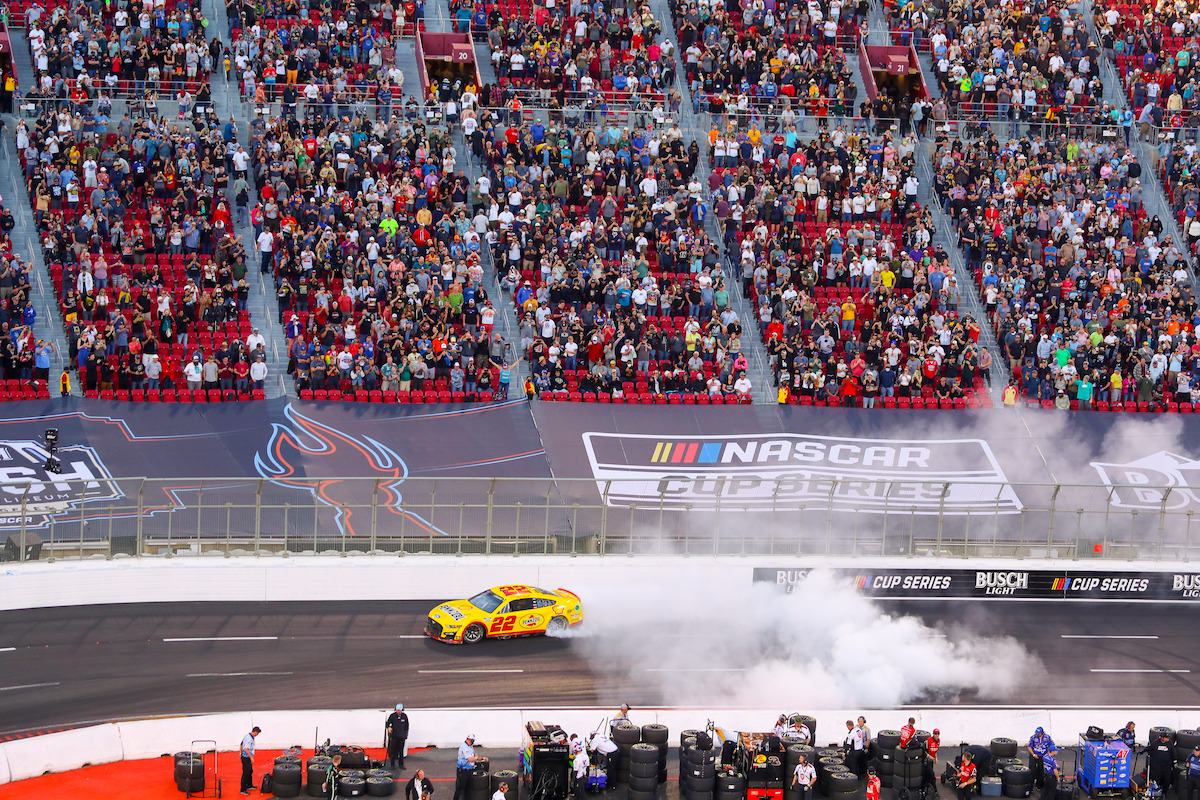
1050,771
464,766
1128,735
1193,773
1039,745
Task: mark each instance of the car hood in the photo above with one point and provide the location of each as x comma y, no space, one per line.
454,611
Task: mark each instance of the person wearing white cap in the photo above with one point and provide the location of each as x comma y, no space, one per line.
394,734
464,766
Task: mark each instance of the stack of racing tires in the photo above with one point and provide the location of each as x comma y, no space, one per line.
189,772
624,735
791,757
834,779
698,770
317,769
286,777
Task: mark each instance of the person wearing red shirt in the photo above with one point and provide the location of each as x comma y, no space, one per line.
908,731
932,744
872,784
966,777
850,392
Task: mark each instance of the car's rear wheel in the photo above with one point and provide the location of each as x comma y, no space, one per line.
556,625
473,634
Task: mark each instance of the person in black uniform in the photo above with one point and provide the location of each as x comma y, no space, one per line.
1161,756
419,787
332,778
395,732
1050,772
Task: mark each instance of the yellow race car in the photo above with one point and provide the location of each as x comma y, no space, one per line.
503,612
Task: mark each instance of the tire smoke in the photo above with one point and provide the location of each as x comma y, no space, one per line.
822,646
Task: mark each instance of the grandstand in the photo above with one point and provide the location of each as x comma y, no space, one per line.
657,203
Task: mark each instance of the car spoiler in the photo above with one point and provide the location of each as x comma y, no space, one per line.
567,592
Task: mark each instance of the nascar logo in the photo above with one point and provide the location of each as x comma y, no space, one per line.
34,498
788,471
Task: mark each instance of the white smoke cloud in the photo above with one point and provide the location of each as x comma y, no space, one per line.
822,646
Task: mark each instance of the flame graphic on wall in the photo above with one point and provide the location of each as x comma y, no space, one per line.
297,443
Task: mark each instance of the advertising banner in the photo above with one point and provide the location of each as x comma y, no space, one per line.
1028,584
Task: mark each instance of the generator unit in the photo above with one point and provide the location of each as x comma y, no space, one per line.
545,762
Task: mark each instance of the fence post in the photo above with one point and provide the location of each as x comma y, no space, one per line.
602,545
24,505
1162,521
942,514
491,505
141,543
374,515
258,519
1050,528
82,513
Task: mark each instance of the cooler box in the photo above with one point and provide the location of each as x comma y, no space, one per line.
991,787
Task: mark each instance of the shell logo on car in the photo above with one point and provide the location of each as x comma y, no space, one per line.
504,612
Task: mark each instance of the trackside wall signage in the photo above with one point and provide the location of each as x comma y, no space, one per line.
786,471
1012,584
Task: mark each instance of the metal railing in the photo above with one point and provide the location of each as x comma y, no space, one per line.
789,514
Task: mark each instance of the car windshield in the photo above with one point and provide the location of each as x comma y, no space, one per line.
486,601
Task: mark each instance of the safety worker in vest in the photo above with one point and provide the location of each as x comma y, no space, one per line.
803,778
1193,773
464,766
395,732
855,745
1039,744
932,745
1128,735
64,383
908,731
1161,757
580,764
872,784
1009,395
967,777
1050,773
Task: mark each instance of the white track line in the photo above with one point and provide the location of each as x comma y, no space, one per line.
28,686
465,671
696,669
1169,671
223,639
232,674
1098,636
7,649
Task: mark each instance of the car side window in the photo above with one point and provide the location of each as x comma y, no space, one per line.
543,602
521,604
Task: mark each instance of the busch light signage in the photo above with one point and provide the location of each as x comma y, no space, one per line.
31,497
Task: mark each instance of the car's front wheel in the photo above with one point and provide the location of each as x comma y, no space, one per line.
473,634
556,626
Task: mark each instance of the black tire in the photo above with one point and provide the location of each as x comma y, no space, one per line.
694,756
643,754
293,790
921,736
186,755
314,789
1016,791
1158,730
625,733
811,724
380,787
690,733
192,785
188,768
354,773
842,782
887,781
887,740
556,626
473,634
505,776
354,758
731,783
642,783
351,787
478,795
286,774
705,771
1187,738
794,751
643,794
699,784
1003,747
379,773
1017,775
479,783
655,733
700,796
639,769
286,759
788,794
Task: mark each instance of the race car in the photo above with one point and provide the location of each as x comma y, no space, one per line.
503,612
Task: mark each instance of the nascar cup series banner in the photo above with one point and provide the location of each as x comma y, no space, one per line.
916,584
590,468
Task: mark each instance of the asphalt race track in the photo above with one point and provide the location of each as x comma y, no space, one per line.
69,666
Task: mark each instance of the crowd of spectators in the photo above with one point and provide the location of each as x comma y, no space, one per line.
84,50
855,305
1024,62
1090,298
149,275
